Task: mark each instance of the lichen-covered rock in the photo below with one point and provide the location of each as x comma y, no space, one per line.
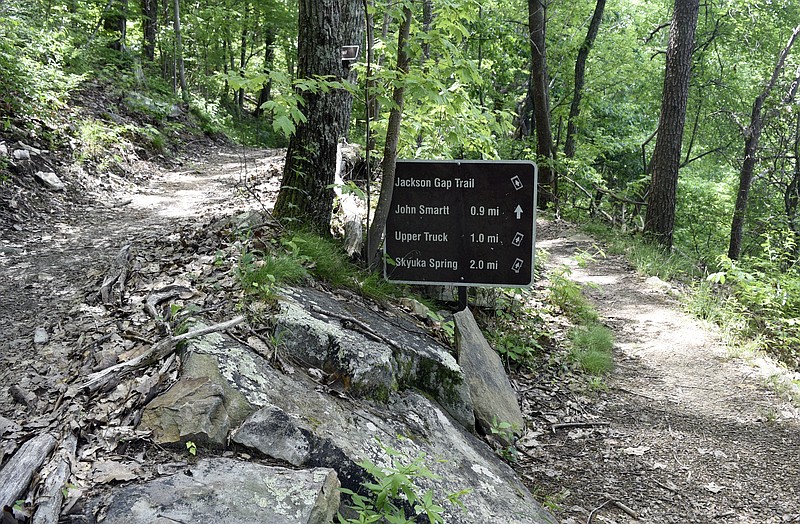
492,394
335,433
227,491
202,406
374,354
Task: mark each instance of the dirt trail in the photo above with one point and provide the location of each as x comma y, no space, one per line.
50,272
693,434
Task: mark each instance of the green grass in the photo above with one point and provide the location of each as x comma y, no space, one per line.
648,258
568,296
262,276
592,349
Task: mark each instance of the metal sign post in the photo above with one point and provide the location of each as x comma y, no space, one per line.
462,223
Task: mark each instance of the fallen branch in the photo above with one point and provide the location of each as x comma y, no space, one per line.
49,501
613,502
563,425
160,350
18,471
595,510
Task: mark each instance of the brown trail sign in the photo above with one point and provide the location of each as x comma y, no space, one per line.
462,222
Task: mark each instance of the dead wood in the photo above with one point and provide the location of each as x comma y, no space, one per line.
564,425
348,203
18,471
51,497
112,289
167,293
160,350
357,325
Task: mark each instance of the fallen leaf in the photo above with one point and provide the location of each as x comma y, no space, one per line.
714,487
638,452
108,471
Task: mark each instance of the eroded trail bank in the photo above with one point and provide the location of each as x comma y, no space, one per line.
684,432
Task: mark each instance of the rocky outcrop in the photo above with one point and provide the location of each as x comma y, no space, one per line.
227,491
492,394
362,385
202,406
371,353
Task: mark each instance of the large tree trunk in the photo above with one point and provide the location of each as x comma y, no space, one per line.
305,198
150,28
660,216
545,150
580,72
376,231
752,134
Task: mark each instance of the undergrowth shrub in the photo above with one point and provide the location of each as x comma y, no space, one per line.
766,294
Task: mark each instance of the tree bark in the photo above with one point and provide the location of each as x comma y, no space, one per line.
389,163
580,73
545,150
269,55
752,134
115,21
660,215
18,471
179,51
306,199
149,28
242,57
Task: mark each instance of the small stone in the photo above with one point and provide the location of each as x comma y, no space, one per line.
3,150
21,154
40,336
50,180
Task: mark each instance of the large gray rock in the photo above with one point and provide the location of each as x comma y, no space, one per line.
494,398
391,354
227,491
202,406
327,431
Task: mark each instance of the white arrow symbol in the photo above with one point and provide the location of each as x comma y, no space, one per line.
518,211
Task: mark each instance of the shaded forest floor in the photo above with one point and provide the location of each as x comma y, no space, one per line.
683,432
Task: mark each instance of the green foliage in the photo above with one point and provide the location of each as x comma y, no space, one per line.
505,432
516,330
191,448
393,491
568,296
262,275
648,258
33,80
761,299
591,349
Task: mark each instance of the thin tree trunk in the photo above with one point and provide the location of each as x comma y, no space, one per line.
580,73
376,231
115,21
660,215
242,57
179,51
269,55
752,134
545,151
791,197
